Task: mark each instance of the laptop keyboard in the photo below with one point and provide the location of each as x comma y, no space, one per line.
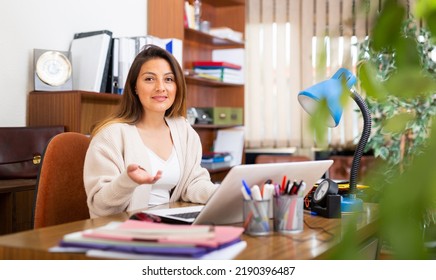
188,215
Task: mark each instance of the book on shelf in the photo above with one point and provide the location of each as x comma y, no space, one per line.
216,165
216,160
232,80
236,56
209,77
227,33
189,19
142,238
210,64
222,74
216,157
219,71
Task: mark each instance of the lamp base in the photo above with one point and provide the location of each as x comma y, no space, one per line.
351,204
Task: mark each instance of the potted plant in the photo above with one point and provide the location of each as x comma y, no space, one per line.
400,124
398,75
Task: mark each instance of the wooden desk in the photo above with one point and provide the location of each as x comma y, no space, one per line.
306,245
16,205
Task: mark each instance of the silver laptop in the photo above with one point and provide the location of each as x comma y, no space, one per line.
225,205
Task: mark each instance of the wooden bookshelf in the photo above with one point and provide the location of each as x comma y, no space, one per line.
198,45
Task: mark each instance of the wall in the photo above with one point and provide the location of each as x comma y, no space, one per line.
50,24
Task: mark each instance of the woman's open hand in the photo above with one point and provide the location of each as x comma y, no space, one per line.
141,176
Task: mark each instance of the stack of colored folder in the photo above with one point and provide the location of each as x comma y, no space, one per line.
216,160
146,239
219,70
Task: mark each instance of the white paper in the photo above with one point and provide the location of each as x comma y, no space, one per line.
231,140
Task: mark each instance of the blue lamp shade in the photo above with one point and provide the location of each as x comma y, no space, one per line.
330,91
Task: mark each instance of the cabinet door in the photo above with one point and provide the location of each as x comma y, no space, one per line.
78,111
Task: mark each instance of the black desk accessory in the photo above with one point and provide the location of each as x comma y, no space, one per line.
326,201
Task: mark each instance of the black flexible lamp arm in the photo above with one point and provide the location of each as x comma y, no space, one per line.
358,153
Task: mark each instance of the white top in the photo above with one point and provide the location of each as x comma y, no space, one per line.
160,191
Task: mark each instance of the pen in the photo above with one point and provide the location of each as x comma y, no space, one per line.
253,212
301,189
276,189
294,189
267,195
255,193
263,212
282,189
268,191
286,189
247,189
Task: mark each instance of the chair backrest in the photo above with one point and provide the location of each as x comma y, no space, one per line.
341,166
60,192
280,158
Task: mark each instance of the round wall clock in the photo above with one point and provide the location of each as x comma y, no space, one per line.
53,68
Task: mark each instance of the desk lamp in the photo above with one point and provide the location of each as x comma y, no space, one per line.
331,91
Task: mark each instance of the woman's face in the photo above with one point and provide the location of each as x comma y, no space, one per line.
156,86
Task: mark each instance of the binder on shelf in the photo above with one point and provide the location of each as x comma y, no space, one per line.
175,47
115,66
127,53
90,53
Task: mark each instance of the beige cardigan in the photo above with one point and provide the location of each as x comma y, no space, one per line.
110,190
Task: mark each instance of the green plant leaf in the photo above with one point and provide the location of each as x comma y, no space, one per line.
426,9
410,83
383,152
406,55
387,28
366,73
398,123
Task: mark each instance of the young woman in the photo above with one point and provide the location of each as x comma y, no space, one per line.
146,153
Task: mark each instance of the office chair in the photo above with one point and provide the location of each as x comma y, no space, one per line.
342,166
60,193
279,158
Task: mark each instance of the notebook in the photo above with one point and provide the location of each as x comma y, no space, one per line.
225,205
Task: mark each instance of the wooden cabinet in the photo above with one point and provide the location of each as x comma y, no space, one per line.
16,205
167,22
77,110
